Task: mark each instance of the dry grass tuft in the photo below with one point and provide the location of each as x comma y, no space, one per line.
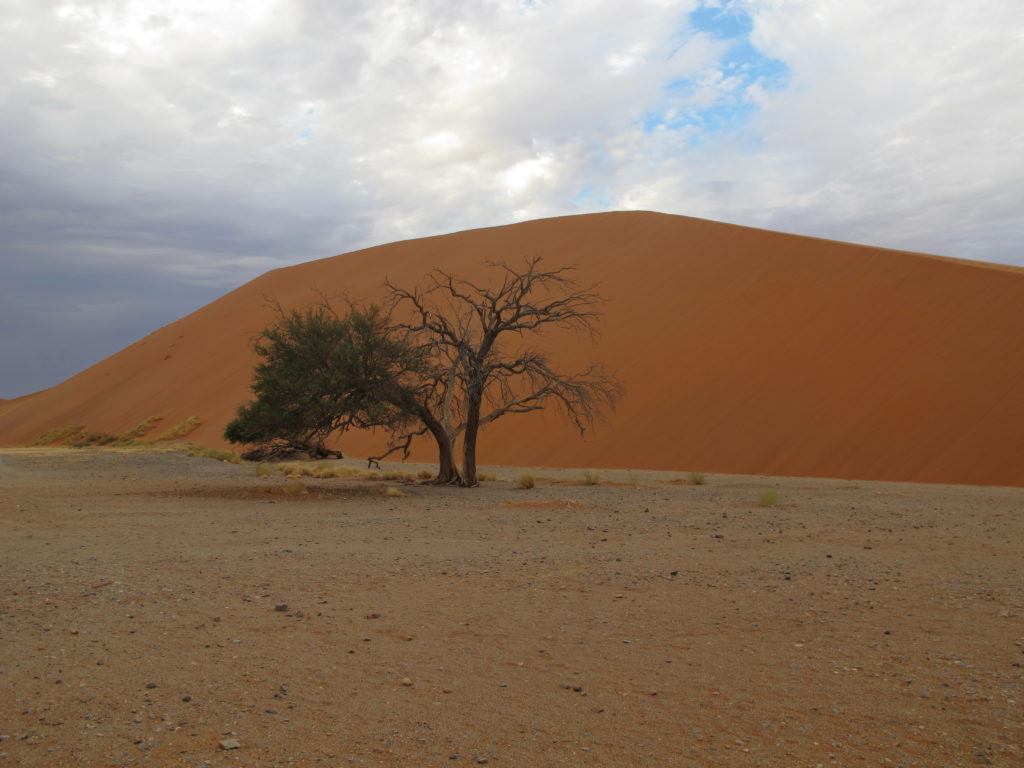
294,487
526,481
591,478
59,435
97,439
394,492
262,470
768,497
179,430
697,478
210,453
137,432
294,469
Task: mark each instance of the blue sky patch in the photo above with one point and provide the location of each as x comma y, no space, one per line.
742,64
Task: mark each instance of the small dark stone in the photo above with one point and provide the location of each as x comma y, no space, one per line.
281,608
151,685
186,698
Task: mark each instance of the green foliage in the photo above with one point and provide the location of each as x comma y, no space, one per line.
321,373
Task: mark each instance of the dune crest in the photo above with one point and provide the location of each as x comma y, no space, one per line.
742,351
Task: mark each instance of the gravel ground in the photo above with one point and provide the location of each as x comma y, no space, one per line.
162,610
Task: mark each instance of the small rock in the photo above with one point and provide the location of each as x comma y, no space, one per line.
373,615
406,682
186,698
229,744
281,608
151,685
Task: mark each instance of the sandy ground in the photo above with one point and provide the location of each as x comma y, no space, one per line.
157,608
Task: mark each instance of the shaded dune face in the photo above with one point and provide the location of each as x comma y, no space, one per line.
741,351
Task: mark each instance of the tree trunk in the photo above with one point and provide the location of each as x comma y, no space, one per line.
469,441
447,472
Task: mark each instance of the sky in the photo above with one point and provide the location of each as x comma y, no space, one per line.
155,154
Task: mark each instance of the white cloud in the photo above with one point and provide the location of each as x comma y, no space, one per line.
210,141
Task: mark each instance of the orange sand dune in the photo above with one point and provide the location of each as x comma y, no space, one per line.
742,351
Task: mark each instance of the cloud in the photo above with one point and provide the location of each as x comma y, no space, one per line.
198,144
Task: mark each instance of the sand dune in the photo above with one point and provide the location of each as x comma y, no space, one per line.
742,351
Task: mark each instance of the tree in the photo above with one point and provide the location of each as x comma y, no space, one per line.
321,374
478,377
447,368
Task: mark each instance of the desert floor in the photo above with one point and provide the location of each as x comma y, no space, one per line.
162,610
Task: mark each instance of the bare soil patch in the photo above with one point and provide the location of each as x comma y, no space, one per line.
155,609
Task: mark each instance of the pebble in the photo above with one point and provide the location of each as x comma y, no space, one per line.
281,608
229,744
406,682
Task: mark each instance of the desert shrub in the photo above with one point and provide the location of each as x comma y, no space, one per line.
526,481
424,474
179,430
487,477
262,470
769,497
294,487
697,478
591,478
395,492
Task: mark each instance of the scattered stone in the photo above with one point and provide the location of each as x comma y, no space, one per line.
406,682
229,744
186,698
281,608
373,615
151,685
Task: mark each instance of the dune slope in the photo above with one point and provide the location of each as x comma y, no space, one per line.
741,350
